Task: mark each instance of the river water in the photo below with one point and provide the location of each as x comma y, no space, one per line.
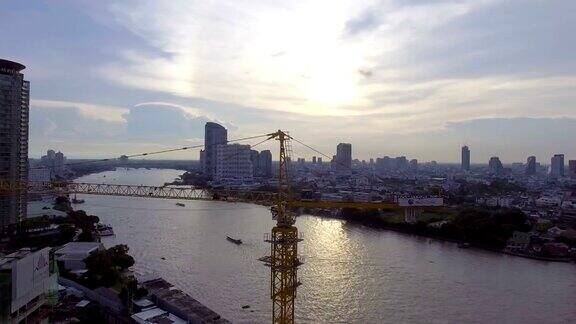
351,274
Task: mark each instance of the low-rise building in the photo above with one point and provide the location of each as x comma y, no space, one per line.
72,254
28,283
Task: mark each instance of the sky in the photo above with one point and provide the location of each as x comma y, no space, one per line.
418,78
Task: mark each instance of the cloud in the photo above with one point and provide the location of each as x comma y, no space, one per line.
80,125
95,111
161,121
373,69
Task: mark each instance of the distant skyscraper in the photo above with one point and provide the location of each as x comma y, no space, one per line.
233,162
14,111
557,166
465,158
214,134
531,165
572,169
413,165
344,157
55,164
495,165
254,158
265,164
313,160
401,163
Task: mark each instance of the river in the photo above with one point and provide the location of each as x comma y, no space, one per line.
351,273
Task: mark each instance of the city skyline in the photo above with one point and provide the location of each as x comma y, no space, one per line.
136,78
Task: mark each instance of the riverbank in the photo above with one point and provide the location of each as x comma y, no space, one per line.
110,269
433,233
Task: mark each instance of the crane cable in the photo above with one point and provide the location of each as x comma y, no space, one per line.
150,153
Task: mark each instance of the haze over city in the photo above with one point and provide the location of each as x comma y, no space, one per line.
415,78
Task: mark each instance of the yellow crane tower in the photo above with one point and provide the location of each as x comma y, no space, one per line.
283,260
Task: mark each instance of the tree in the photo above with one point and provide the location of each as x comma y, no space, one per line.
120,257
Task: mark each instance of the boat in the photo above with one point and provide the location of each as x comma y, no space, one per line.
464,245
77,201
180,204
104,230
235,241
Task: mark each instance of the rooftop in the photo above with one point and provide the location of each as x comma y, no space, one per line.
181,303
79,248
10,66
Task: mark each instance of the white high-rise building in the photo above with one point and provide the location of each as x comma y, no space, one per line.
14,111
214,135
234,163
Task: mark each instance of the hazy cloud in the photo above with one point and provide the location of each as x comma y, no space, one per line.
386,75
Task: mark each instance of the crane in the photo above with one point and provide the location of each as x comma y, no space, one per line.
283,238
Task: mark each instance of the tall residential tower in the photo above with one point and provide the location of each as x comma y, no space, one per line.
343,157
214,135
531,165
14,110
557,166
465,158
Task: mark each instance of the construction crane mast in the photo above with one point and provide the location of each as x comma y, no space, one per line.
283,260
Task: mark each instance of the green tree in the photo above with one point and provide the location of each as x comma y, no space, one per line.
120,257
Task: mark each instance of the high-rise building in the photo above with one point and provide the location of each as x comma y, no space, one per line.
465,158
14,111
343,157
572,169
233,163
55,163
495,165
319,160
313,160
202,159
214,135
557,166
413,165
531,165
400,163
265,164
254,158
